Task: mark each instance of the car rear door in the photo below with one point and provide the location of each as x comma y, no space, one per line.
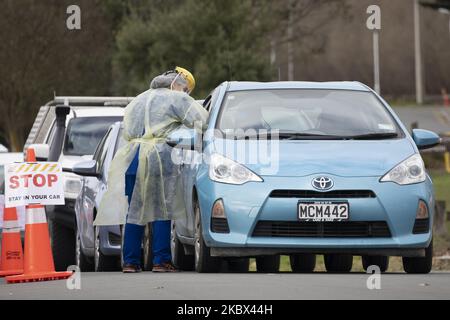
92,186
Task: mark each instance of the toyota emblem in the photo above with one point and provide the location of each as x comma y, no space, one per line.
322,183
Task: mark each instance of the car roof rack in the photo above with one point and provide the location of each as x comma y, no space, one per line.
90,101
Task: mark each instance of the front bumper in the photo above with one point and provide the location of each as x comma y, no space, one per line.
247,204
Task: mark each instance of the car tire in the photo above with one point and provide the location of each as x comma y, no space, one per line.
147,248
180,259
303,263
63,245
381,262
268,264
203,261
422,265
82,261
103,263
338,263
238,265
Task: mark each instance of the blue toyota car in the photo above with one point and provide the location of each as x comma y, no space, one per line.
300,169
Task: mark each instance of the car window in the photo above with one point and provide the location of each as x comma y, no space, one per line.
84,134
102,150
321,112
214,97
207,103
210,101
120,141
100,145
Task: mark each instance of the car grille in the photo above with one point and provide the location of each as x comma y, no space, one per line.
345,229
310,194
421,226
219,225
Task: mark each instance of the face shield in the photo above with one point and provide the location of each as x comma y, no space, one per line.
177,80
180,83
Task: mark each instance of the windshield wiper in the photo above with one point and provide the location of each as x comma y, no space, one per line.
307,136
317,136
251,136
374,136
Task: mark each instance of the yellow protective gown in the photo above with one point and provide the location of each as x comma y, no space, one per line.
157,193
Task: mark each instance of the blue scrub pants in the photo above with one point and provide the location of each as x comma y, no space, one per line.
133,233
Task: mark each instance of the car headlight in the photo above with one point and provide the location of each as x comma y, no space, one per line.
410,171
72,185
224,170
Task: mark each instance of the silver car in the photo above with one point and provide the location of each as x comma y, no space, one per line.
99,248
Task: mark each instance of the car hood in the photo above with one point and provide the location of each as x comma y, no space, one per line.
68,162
302,158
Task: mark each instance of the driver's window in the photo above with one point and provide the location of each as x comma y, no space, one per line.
207,104
210,101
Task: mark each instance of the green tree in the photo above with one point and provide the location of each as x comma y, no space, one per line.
40,56
217,40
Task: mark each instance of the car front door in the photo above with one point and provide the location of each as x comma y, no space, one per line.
185,227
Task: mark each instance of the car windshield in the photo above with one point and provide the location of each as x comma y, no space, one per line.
308,114
84,134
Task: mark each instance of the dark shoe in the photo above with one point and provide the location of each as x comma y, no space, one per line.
165,267
129,268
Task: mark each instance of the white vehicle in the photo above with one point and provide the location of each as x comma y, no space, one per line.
68,130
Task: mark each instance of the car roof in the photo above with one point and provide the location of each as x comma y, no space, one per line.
9,157
336,85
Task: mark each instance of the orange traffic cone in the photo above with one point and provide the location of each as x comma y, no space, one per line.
12,253
38,264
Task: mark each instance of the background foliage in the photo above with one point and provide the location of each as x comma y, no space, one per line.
124,43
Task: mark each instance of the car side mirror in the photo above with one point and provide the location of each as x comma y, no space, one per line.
183,139
425,139
86,169
42,151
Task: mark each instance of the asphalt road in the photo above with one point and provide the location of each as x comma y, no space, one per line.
192,286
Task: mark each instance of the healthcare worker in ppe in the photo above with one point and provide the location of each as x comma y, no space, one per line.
143,181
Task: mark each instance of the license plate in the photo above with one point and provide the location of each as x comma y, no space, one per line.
323,211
